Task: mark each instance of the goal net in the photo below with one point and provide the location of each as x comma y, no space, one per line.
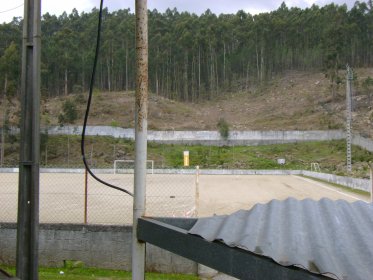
127,166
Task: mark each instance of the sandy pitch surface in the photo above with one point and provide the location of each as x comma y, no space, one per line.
62,195
225,194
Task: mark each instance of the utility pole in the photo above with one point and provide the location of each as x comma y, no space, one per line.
28,196
141,128
348,116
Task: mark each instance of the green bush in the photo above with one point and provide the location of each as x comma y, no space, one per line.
69,112
114,123
223,128
79,98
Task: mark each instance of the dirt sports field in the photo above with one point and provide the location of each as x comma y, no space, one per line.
62,195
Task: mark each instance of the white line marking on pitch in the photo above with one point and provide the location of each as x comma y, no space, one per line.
325,187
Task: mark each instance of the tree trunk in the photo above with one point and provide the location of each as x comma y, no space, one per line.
199,70
3,138
224,65
65,88
216,74
83,81
156,82
257,62
126,66
193,78
108,74
262,64
4,116
185,83
247,76
212,82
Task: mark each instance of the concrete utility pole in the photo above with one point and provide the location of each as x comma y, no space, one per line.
141,128
28,196
349,79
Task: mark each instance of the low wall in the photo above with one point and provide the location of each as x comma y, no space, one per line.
354,183
96,246
205,137
362,142
253,138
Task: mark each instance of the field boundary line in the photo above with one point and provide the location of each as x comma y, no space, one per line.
326,187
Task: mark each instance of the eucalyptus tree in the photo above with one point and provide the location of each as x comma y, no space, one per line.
192,57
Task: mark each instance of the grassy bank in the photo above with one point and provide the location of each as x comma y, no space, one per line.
95,273
64,151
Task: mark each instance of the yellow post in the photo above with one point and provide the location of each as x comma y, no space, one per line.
186,158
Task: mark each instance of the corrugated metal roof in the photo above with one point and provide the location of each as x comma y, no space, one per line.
327,237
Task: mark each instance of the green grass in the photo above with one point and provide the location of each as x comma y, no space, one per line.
95,273
331,155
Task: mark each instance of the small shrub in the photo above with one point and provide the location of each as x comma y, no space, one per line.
223,128
69,112
79,98
61,119
114,123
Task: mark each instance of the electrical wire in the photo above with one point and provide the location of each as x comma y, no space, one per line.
5,11
82,142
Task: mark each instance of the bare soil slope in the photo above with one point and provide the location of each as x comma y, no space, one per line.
295,100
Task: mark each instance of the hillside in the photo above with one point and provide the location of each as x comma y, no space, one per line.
293,101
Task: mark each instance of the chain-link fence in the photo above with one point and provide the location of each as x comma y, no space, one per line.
72,196
68,195
63,151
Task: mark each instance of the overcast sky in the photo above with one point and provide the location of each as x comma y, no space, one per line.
10,9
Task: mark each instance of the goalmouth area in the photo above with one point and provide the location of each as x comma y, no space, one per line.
183,193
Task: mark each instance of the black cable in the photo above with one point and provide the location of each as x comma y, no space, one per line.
82,142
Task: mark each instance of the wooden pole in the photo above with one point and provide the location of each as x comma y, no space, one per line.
85,196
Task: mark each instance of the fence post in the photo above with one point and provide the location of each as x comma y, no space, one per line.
85,196
114,153
348,117
197,190
46,155
68,151
371,182
3,139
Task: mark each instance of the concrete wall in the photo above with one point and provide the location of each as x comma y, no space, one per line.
252,138
205,137
96,246
354,183
362,142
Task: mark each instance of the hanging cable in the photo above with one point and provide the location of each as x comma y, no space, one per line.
11,9
82,142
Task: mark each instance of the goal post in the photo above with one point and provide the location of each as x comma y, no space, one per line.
315,167
122,166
